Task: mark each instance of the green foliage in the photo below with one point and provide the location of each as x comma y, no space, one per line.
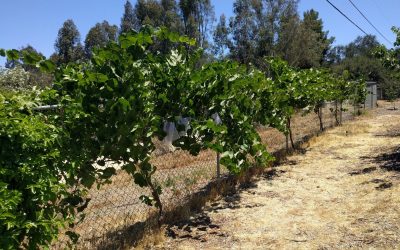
308,90
14,79
128,20
361,60
198,18
172,19
359,92
361,46
357,60
30,54
274,28
314,41
34,201
113,106
289,87
149,12
23,73
244,30
392,92
220,35
389,58
99,36
288,45
233,92
68,47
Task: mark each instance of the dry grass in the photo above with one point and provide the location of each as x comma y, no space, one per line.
117,206
337,195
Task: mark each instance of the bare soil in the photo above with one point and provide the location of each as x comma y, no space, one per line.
342,191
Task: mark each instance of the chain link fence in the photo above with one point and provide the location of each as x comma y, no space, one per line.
115,211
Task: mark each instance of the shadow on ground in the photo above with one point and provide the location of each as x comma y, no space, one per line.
198,226
389,161
195,228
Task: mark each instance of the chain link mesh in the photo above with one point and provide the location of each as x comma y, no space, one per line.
116,206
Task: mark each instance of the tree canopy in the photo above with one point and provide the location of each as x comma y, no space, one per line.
258,29
99,36
68,45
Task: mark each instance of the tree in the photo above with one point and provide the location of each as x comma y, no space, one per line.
128,20
159,13
67,45
15,78
79,53
392,92
149,12
389,59
265,28
306,49
269,15
206,18
362,46
362,67
312,21
244,31
357,59
99,36
34,77
198,17
316,43
266,21
220,35
334,55
187,8
278,30
26,49
171,17
288,46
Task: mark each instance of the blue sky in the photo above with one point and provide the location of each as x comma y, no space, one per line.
37,22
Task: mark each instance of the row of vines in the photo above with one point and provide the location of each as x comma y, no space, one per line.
112,108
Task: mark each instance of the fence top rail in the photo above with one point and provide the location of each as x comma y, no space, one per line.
46,107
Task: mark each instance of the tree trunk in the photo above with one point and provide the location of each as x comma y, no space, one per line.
287,142
290,132
321,124
157,199
341,112
218,166
337,113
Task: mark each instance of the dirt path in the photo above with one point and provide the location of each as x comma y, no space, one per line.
344,191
